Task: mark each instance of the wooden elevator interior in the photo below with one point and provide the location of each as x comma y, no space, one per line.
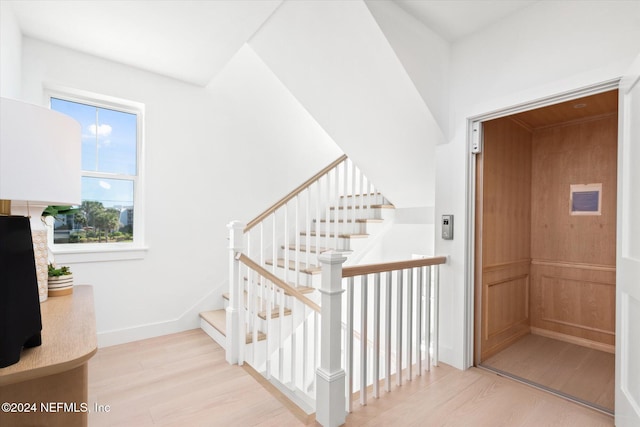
543,269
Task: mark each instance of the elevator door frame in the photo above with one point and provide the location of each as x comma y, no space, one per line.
473,254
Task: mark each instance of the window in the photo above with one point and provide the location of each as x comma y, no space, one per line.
111,139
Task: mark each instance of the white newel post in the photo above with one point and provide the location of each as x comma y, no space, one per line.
330,376
235,323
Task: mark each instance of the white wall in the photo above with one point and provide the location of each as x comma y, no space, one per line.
335,60
546,49
213,155
424,55
10,53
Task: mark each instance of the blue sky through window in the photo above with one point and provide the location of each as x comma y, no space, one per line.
108,146
111,192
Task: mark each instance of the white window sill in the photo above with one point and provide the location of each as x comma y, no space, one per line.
77,253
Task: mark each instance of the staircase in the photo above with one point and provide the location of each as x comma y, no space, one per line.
365,220
320,332
307,324
337,209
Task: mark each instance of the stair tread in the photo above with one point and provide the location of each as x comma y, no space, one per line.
275,312
365,207
218,319
342,235
358,220
362,195
302,267
303,248
300,288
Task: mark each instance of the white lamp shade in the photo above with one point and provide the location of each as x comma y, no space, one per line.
39,155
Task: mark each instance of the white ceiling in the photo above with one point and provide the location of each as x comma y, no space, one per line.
192,40
456,19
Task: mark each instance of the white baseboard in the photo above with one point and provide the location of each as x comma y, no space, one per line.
190,319
445,355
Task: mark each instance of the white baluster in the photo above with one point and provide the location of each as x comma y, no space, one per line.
353,192
281,337
328,212
305,348
269,328
376,335
307,223
345,211
337,228
293,343
316,348
247,277
419,320
297,242
256,309
436,313
364,284
387,333
410,323
318,221
260,281
285,210
274,242
427,317
349,349
399,330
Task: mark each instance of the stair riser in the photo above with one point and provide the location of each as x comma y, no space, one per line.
262,322
213,333
359,200
366,213
341,244
348,228
302,257
303,279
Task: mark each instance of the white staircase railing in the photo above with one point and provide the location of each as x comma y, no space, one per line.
311,219
398,310
282,326
373,323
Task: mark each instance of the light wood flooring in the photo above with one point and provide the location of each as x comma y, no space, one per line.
580,372
184,380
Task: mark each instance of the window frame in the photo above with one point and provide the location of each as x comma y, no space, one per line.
92,252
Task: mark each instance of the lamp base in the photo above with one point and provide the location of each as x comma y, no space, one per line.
41,255
40,243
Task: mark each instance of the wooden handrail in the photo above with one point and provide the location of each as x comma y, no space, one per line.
293,194
361,270
277,281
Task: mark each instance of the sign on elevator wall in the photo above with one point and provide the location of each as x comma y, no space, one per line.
586,199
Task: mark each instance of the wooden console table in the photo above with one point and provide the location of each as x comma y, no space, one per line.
49,384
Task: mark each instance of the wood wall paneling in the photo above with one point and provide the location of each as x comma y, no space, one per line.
506,234
573,271
507,193
506,303
577,300
579,154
